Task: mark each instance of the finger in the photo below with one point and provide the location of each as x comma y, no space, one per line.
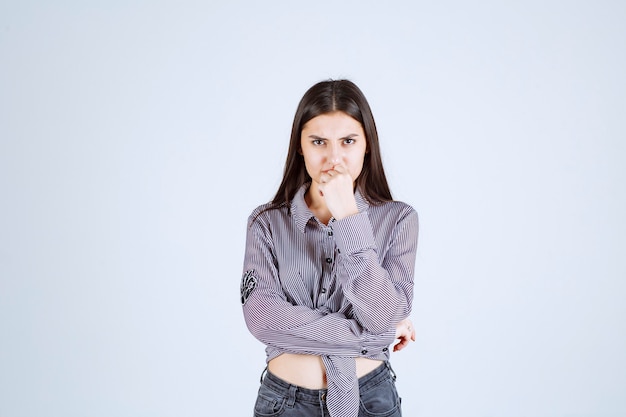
330,174
399,346
340,168
320,188
402,343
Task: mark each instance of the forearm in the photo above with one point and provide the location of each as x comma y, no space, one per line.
299,329
378,304
379,285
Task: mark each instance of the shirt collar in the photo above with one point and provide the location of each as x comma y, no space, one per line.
302,214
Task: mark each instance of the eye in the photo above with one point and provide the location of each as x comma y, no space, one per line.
349,141
318,142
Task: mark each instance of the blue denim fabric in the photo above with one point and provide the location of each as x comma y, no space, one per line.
377,390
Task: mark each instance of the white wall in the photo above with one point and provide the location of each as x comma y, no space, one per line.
136,137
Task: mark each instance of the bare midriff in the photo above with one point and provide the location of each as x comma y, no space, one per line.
308,371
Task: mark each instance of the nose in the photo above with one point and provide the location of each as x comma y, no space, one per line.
334,154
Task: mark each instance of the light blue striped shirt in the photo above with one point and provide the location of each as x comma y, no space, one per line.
335,290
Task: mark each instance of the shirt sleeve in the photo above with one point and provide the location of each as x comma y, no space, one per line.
381,292
273,320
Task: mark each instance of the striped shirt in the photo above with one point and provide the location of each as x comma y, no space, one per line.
335,290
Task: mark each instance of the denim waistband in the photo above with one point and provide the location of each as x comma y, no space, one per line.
278,385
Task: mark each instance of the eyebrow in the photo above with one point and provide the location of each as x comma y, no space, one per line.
350,136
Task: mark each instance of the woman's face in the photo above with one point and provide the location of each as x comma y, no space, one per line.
332,139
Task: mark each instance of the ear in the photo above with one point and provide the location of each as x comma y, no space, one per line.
300,151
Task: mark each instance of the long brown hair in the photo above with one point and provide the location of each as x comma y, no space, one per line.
326,97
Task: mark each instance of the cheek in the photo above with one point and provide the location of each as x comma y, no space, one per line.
312,159
356,158
357,165
311,164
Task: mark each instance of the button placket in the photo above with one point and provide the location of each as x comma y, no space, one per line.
328,245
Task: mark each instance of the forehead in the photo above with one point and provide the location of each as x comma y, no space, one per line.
335,122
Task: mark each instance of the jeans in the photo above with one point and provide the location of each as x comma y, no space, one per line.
377,390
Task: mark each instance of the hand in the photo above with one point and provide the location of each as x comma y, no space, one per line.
337,187
406,333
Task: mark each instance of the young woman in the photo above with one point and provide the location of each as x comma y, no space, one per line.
328,269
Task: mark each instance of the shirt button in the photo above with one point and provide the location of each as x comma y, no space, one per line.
330,233
363,352
323,290
385,349
329,260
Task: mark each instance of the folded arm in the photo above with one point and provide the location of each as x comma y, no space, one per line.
273,320
380,292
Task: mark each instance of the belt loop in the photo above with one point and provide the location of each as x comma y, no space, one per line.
263,374
292,396
391,371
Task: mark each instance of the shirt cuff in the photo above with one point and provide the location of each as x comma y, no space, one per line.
377,344
354,234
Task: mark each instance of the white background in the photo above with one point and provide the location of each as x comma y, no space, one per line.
137,136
